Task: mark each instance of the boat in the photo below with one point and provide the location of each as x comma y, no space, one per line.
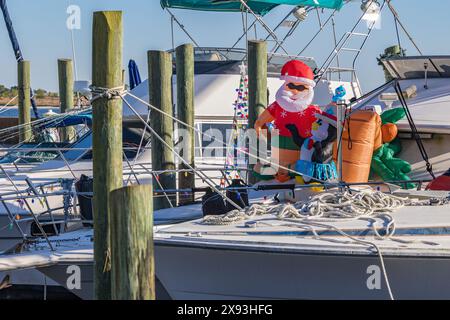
272,255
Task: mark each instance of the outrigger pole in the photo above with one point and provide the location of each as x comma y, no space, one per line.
16,47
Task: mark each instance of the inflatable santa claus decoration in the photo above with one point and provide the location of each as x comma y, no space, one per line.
292,106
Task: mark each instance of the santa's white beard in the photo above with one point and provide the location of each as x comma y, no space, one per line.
294,103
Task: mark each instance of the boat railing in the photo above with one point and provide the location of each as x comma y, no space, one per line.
275,59
343,74
67,211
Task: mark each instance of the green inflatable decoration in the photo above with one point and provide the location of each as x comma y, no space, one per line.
384,161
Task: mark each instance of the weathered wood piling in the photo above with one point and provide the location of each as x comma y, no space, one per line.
132,268
186,114
160,90
257,79
24,86
66,96
257,87
107,138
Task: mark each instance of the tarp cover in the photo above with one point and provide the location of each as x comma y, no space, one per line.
258,6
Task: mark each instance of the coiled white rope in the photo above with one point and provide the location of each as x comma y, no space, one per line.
326,206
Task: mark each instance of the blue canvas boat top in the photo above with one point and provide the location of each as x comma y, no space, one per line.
260,7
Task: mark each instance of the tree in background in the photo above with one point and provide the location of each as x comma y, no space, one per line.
13,92
4,91
8,93
40,93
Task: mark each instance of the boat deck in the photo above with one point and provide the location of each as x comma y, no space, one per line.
419,231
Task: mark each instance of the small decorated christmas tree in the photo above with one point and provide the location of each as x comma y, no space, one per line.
239,124
241,103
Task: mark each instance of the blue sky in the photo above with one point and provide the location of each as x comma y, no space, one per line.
41,29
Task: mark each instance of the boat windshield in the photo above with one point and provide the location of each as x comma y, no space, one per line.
418,67
32,154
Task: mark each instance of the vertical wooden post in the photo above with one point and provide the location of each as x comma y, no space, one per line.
65,76
160,89
25,133
257,84
107,139
132,263
257,79
186,113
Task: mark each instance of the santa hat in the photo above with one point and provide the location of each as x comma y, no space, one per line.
297,71
327,117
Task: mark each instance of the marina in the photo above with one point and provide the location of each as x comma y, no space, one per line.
249,172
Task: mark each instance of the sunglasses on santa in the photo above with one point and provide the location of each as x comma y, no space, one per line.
299,87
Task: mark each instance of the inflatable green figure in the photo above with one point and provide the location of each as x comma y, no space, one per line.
384,161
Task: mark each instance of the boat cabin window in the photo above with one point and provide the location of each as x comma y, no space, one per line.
209,147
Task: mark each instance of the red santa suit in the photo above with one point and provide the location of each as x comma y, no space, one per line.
301,119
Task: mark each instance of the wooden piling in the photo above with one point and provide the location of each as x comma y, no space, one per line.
132,263
257,79
186,113
25,133
160,89
107,139
66,96
257,86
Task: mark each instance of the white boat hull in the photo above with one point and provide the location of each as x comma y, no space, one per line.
206,273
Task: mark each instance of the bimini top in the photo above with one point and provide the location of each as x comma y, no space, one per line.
258,6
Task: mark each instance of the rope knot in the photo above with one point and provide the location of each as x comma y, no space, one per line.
107,93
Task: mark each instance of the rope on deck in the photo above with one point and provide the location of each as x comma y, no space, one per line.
328,206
